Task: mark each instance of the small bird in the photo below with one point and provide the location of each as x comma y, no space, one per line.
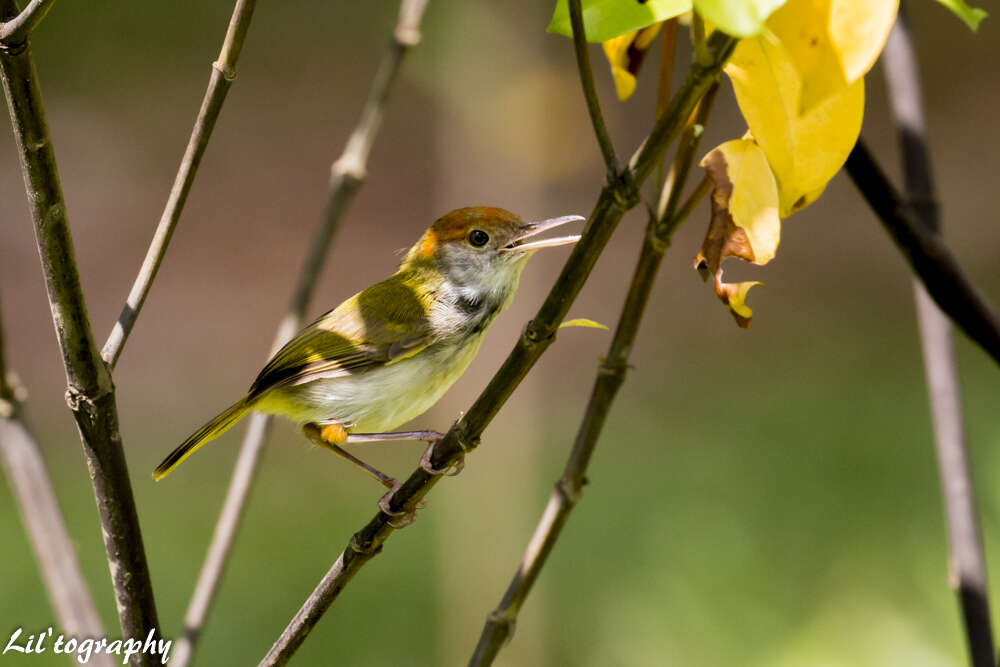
388,353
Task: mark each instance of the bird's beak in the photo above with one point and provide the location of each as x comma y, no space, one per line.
533,228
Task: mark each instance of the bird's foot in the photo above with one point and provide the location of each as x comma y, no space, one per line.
425,462
397,519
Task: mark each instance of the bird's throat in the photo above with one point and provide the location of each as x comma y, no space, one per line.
477,309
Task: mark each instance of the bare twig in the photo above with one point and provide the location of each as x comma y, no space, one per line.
222,77
668,50
701,53
17,29
664,85
347,176
590,91
967,561
616,198
927,254
673,187
43,521
90,393
610,375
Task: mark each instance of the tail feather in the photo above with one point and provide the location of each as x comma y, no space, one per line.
206,433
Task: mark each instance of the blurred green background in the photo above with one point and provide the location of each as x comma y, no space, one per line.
761,497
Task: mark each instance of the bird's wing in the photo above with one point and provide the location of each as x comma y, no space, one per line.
381,325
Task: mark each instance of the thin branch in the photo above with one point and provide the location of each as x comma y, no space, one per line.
90,393
616,198
17,29
590,91
348,174
701,53
610,375
43,520
927,254
668,51
673,187
221,79
965,544
665,82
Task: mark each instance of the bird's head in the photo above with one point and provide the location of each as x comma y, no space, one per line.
483,248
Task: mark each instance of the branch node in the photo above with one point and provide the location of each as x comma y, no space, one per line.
462,438
228,72
623,189
407,35
74,398
501,619
13,48
615,369
534,335
348,167
658,236
369,549
570,489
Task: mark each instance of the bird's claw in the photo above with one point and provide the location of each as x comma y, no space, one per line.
450,471
398,519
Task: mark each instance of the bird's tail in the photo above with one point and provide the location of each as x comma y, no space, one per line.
209,431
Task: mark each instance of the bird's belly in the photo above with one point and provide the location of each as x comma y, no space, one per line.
379,399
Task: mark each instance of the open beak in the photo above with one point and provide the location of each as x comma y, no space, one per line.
519,244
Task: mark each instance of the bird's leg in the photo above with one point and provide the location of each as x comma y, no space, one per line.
331,436
431,437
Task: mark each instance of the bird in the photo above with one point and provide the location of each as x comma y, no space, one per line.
387,354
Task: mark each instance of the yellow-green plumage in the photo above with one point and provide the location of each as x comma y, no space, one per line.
205,434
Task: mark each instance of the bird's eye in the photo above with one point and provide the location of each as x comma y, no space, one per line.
478,238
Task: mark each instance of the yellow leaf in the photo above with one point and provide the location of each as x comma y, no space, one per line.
745,188
805,199
734,295
802,27
804,150
583,322
626,54
859,30
832,43
744,221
